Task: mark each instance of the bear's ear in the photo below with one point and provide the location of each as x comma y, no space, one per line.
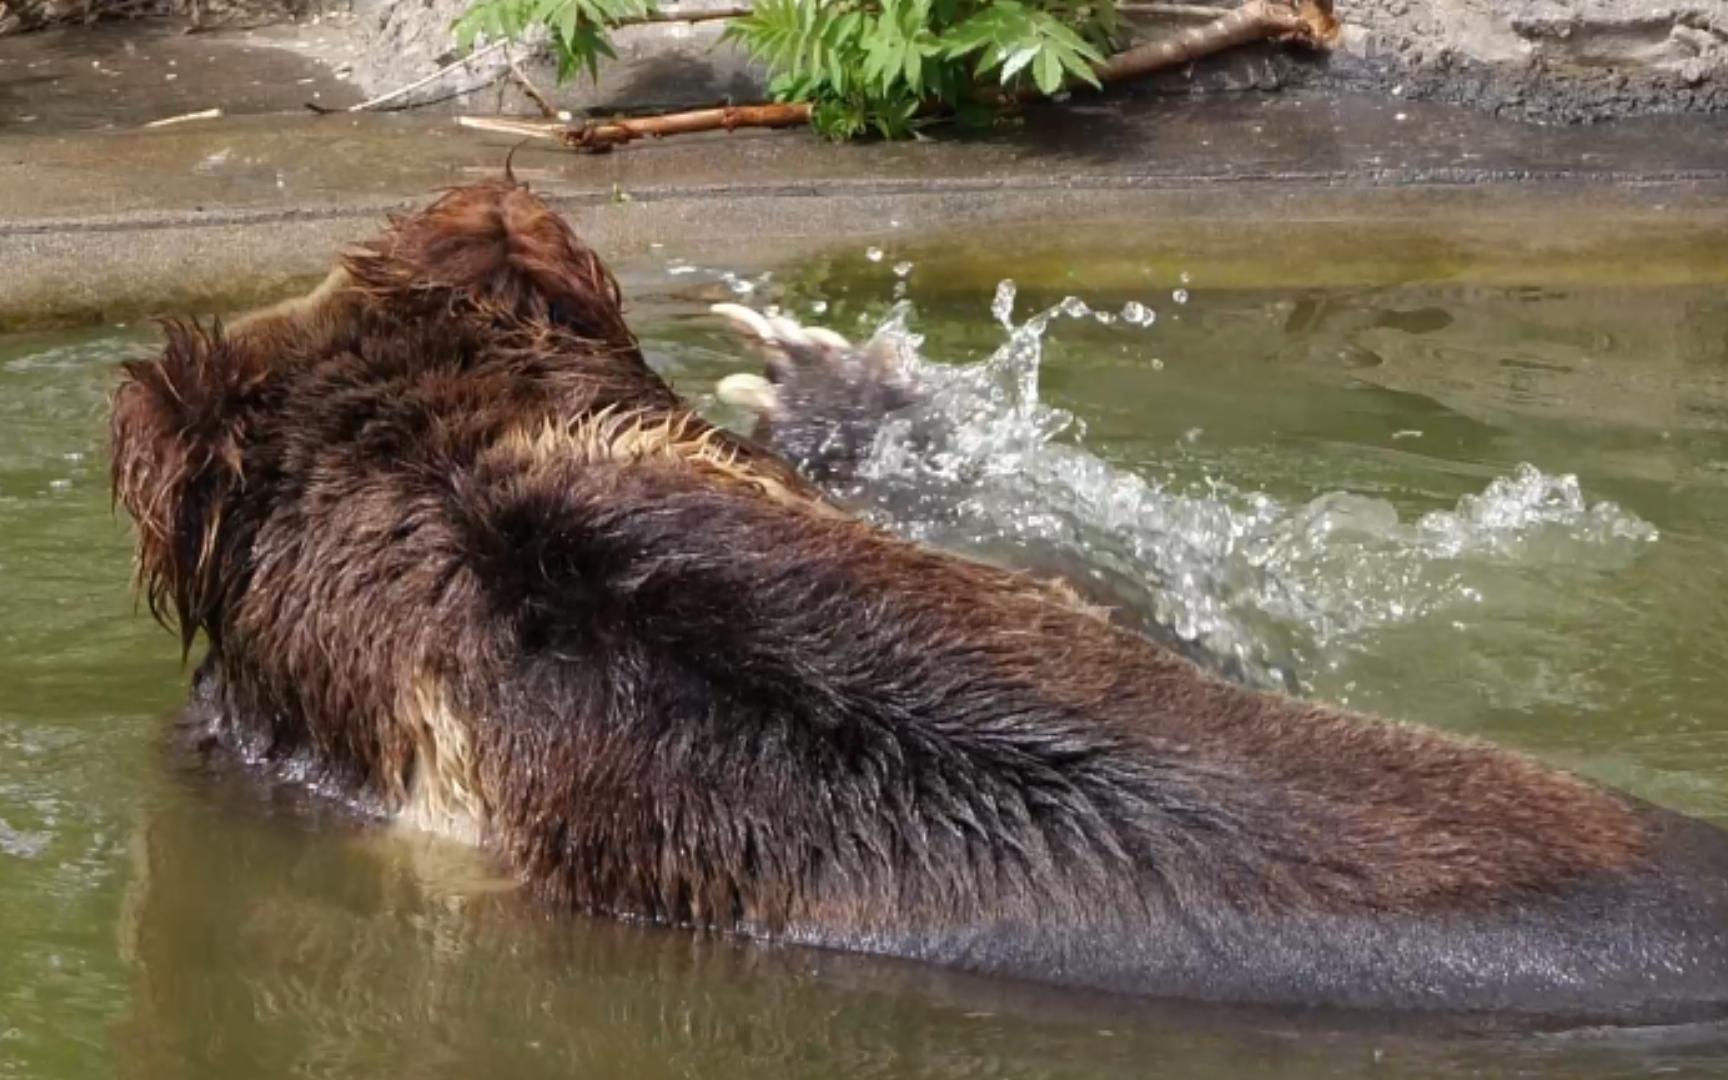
178,429
494,248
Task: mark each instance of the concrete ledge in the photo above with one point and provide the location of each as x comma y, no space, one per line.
211,217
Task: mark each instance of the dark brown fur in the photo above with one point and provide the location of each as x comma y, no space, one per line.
460,553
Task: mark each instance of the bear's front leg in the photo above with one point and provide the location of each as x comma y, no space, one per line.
822,399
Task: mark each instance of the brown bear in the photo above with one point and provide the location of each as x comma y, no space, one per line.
462,558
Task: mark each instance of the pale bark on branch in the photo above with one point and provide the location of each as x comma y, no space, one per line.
602,135
1302,22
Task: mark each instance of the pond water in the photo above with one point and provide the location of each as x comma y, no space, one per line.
1496,507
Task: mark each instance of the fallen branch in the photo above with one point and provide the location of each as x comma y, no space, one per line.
599,136
1180,11
1300,22
690,17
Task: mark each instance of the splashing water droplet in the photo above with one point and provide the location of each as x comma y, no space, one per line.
901,269
1180,296
679,269
819,307
1002,304
874,254
1185,278
1074,307
1134,313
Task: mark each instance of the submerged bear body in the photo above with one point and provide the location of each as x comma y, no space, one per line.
460,554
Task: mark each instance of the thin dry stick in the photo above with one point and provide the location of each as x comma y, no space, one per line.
533,93
169,121
402,91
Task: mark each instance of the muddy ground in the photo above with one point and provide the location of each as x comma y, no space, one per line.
1549,60
1555,60
1560,61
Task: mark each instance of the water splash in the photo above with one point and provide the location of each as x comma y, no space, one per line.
1252,577
1002,304
1134,313
20,844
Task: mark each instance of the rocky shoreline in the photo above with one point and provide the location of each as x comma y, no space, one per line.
1563,61
1555,61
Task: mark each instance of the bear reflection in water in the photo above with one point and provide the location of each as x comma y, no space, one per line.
461,557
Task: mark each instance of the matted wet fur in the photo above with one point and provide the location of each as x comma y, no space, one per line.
459,553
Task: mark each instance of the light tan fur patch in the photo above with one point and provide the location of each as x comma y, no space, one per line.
441,792
621,436
294,310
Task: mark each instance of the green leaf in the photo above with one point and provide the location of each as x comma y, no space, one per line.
1017,61
1047,71
564,25
914,70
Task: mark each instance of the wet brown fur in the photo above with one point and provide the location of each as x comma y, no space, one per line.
443,526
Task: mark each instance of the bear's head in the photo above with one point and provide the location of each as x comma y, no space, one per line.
484,259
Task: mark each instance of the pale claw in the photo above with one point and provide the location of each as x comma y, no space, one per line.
745,320
827,338
751,392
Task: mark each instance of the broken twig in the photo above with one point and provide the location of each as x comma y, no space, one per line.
599,136
1303,22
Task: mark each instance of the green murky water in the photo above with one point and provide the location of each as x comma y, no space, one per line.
1341,468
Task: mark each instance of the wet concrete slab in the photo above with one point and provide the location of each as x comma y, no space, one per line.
228,212
126,74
